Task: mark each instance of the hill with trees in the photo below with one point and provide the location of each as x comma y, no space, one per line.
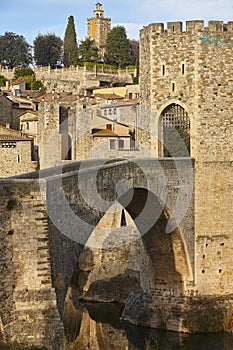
50,49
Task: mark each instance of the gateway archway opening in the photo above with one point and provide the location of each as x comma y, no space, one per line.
175,132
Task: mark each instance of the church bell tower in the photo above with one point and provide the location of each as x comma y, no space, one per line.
98,28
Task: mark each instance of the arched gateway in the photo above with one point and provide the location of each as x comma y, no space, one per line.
174,132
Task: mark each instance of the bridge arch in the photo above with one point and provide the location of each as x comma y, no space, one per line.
174,130
164,262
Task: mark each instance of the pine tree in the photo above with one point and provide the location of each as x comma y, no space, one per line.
70,44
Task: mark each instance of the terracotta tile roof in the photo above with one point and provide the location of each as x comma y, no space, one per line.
31,93
109,96
122,104
33,116
14,138
8,131
28,118
17,82
63,97
105,133
108,133
7,134
23,100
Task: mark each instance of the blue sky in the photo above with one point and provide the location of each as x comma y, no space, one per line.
31,17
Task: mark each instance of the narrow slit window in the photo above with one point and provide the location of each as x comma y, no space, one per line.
163,69
182,69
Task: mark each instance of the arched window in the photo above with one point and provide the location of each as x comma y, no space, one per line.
175,133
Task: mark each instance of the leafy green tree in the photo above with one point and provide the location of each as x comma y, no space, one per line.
38,85
117,47
70,56
134,52
47,49
88,52
14,50
28,75
2,80
23,72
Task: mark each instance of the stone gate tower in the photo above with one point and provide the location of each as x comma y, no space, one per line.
186,78
98,28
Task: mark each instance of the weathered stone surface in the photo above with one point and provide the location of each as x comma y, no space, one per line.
115,289
192,315
184,268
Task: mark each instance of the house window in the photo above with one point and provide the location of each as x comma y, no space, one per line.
109,127
112,144
120,144
105,112
27,126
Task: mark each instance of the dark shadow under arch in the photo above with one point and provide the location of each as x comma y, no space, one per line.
167,251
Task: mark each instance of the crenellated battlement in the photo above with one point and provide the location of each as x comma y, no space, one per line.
191,27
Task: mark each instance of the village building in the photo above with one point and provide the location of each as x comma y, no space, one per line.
131,92
29,128
109,137
11,107
16,86
16,153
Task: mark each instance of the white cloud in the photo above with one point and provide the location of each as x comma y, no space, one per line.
132,29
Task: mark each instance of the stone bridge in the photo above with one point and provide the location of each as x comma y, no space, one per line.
49,219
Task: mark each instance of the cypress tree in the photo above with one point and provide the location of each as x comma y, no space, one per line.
70,44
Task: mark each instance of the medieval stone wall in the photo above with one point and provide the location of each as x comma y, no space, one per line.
28,301
76,79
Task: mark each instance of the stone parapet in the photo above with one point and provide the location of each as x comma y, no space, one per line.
191,26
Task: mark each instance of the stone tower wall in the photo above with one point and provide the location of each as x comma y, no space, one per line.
194,69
